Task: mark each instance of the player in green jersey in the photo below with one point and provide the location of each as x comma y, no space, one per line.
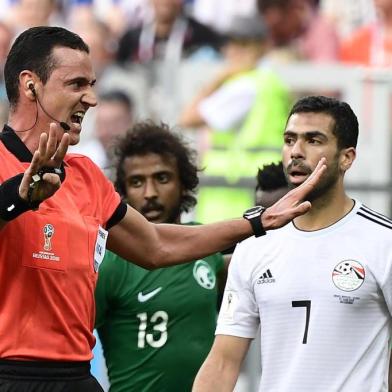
156,327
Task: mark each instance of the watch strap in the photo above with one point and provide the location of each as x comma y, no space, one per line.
257,226
253,215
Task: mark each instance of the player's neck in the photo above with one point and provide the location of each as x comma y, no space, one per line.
325,211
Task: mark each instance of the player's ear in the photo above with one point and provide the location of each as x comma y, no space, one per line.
347,157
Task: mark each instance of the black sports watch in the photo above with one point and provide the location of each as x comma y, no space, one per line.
253,215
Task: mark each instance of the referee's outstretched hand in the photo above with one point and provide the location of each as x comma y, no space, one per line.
292,204
50,155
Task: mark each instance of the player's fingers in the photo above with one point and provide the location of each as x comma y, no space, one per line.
51,144
289,214
34,164
33,167
301,209
273,217
52,179
42,144
314,177
295,196
61,150
27,177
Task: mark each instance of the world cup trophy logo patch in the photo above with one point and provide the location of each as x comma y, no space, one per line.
348,275
48,234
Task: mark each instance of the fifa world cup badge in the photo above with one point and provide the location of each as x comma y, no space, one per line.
48,235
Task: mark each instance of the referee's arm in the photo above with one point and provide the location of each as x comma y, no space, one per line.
221,368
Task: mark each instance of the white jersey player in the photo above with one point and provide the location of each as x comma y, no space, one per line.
320,288
323,301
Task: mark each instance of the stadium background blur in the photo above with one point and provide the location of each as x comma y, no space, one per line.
162,84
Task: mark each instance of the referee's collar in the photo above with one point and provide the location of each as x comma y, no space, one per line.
14,145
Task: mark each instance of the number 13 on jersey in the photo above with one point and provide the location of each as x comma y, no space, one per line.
158,337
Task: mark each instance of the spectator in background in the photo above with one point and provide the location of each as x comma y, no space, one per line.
245,107
221,14
23,14
156,327
371,45
298,31
98,37
348,15
166,32
113,118
155,52
5,42
121,15
80,11
271,184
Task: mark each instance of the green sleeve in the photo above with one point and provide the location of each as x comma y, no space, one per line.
220,263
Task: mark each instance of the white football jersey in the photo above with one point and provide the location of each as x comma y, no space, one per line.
323,301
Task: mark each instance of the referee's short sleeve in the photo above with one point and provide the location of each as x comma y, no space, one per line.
117,216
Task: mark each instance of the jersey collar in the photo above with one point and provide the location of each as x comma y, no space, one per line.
14,145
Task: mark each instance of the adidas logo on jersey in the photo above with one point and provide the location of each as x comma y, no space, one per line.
266,277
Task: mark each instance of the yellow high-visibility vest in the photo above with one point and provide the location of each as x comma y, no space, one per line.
238,153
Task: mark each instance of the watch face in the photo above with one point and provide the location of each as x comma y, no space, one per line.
254,211
253,215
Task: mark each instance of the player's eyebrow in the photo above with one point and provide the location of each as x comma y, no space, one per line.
307,134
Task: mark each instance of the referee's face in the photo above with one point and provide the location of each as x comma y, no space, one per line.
308,137
68,93
153,187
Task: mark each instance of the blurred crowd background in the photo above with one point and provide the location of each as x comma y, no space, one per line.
185,62
225,72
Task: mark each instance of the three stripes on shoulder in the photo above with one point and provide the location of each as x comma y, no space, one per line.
375,217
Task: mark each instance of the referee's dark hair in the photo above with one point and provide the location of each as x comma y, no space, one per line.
346,123
148,137
33,50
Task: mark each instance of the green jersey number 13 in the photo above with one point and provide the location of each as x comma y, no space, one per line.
158,321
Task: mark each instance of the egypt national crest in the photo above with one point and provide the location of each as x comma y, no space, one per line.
204,274
348,275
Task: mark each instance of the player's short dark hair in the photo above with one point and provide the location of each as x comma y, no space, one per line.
117,96
32,50
271,177
148,137
346,122
263,5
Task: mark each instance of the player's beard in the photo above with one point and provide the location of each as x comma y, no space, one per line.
327,182
174,215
